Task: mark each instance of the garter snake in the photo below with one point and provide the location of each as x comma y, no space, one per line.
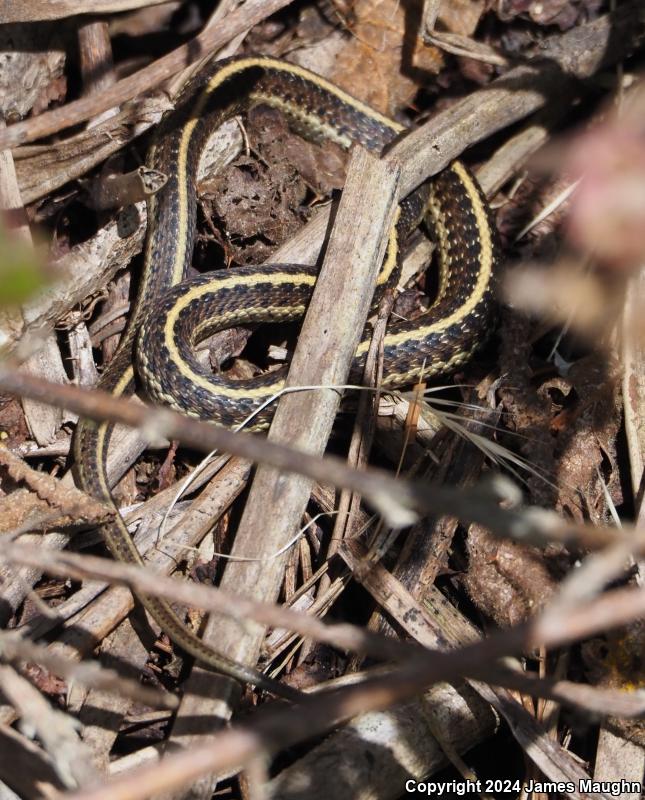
171,314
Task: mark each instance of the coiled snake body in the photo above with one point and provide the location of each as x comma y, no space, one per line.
172,314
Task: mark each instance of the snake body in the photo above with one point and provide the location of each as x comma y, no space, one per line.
171,314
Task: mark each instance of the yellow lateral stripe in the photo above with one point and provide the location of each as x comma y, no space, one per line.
101,472
278,279
217,80
182,173
241,317
124,380
392,252
221,76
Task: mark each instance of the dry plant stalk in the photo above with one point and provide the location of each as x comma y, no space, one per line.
354,256
32,10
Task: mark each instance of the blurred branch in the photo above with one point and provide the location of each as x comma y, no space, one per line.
560,623
343,636
270,732
590,699
90,674
398,501
56,730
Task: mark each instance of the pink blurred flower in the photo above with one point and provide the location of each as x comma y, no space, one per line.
607,214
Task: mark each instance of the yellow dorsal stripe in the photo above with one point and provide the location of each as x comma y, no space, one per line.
243,64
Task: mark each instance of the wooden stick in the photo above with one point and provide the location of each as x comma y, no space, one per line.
145,79
95,52
33,10
325,349
574,56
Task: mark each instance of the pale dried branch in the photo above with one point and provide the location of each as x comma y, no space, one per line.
347,278
43,168
398,501
271,732
91,674
145,79
208,598
32,10
56,730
